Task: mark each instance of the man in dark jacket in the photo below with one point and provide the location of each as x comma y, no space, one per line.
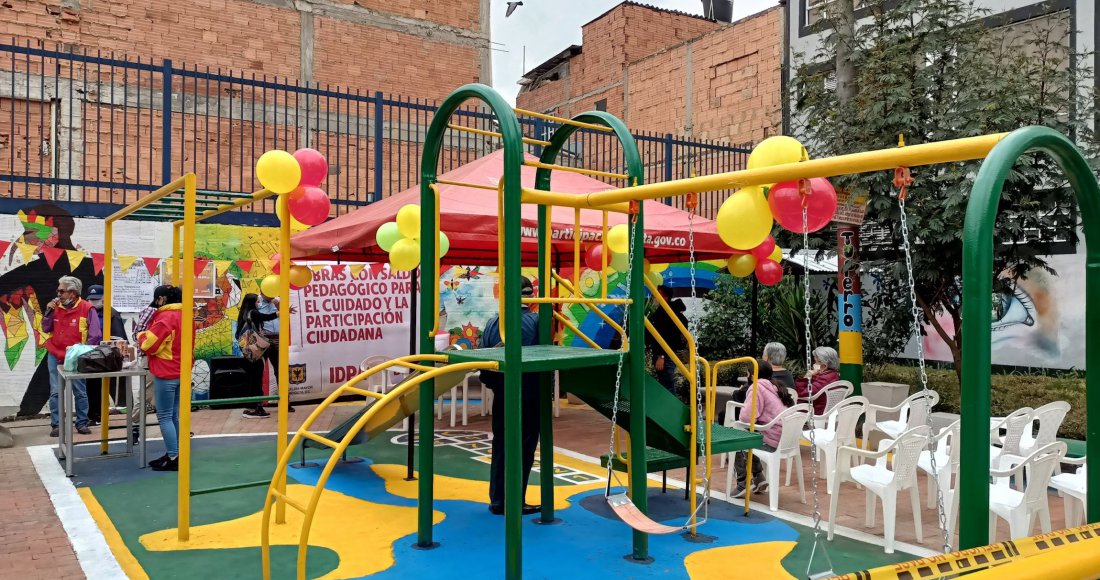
118,329
490,338
666,327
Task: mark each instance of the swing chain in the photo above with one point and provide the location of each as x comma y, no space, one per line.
622,354
809,388
915,311
700,417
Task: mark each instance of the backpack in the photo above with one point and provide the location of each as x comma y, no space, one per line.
253,344
73,354
101,359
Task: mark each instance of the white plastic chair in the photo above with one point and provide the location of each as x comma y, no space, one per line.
834,393
883,479
912,412
1049,417
1020,508
1008,452
378,382
839,431
792,420
947,449
1073,489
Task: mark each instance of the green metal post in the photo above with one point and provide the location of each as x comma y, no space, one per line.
546,389
981,214
513,159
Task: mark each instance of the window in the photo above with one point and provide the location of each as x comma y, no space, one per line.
601,105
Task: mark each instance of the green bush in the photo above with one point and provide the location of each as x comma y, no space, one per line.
1010,392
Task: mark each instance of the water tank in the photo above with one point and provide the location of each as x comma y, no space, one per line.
718,10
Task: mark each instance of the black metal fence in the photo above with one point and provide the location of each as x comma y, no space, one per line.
95,131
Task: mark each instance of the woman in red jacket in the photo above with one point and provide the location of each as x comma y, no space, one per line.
823,373
161,343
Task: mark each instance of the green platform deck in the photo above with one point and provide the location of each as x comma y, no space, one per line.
541,357
655,460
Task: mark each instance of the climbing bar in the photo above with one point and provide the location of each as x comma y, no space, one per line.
416,367
880,160
526,140
282,496
576,248
464,184
213,193
562,120
668,349
363,392
436,253
230,487
234,401
552,198
610,321
752,416
177,208
565,321
170,187
580,170
588,301
320,439
250,199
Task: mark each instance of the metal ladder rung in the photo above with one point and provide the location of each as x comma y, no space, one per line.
562,120
292,503
320,439
465,129
362,392
580,170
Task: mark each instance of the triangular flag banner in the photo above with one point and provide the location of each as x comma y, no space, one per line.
97,262
376,268
151,264
4,247
318,268
222,266
52,255
75,258
125,262
200,265
245,265
338,268
357,269
267,264
27,250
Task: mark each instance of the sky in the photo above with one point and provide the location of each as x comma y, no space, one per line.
547,27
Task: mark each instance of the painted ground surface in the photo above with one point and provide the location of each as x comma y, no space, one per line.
366,522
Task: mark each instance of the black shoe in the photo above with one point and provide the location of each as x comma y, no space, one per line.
135,436
83,430
54,432
760,486
739,493
170,464
158,461
496,510
257,413
290,409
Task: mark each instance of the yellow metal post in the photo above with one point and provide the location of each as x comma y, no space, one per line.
108,266
283,371
176,252
187,355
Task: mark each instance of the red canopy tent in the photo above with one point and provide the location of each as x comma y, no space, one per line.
469,218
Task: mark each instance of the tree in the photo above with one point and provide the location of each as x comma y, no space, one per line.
934,70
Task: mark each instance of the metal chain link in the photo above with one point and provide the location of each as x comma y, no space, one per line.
700,414
809,362
622,356
915,310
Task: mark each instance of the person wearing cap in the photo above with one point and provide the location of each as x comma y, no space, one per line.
68,320
490,338
118,329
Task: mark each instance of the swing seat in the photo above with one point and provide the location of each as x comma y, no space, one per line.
630,515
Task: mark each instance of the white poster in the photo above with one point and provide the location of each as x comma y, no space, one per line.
132,290
341,319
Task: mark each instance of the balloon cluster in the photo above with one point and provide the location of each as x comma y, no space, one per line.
745,219
617,247
297,177
401,239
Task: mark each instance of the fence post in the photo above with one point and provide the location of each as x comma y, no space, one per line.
668,163
166,122
540,134
379,119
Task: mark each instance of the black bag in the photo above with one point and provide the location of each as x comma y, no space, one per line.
103,359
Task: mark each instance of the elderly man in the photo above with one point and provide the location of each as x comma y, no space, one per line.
68,320
776,355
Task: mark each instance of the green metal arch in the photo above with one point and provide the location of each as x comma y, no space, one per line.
981,213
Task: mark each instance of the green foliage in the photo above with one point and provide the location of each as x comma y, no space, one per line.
784,321
933,71
724,331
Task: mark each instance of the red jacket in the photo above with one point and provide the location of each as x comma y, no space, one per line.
161,342
820,381
65,327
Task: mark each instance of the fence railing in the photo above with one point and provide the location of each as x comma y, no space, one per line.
95,131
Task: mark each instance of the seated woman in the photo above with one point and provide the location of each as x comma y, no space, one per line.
770,402
823,373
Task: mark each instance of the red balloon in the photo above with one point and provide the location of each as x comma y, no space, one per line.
765,248
786,204
312,207
278,264
314,167
593,257
768,272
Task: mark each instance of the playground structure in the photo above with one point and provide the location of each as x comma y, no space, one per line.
658,423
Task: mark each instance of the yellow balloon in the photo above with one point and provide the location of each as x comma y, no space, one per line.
777,150
408,222
744,220
278,171
271,285
405,254
646,266
776,255
741,265
300,276
618,239
618,262
658,267
655,278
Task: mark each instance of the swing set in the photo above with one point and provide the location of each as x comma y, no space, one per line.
615,383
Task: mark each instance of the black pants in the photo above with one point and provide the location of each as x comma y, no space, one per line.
757,467
272,356
530,418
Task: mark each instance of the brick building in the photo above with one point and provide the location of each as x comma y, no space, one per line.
668,71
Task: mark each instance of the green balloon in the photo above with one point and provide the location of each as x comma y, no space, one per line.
444,244
387,236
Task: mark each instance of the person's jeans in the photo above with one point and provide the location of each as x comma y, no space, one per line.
166,392
80,393
757,466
